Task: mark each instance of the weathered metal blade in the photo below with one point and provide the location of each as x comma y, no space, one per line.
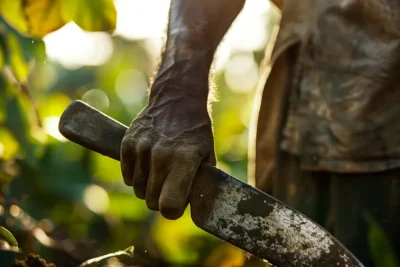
225,206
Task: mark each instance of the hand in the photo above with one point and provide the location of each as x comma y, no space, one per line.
162,150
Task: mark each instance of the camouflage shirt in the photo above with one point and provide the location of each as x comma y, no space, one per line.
344,92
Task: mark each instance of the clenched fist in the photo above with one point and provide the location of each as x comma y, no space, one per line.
162,150
166,143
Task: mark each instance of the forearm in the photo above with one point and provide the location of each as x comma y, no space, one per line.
195,29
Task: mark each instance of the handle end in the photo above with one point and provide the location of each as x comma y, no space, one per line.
92,129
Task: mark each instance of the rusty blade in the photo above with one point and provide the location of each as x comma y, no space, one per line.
225,206
258,223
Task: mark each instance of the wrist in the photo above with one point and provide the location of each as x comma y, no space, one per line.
170,91
183,77
171,102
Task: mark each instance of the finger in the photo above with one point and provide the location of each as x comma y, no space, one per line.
127,162
176,189
141,172
158,172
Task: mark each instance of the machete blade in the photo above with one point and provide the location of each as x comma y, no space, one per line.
225,206
260,224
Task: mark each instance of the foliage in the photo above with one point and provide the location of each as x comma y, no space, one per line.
7,237
8,247
69,204
66,203
36,18
382,251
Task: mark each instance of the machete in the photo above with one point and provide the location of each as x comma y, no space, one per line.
223,205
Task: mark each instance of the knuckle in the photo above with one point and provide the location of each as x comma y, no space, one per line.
161,152
143,144
126,143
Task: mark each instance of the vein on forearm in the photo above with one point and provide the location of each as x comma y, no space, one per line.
195,30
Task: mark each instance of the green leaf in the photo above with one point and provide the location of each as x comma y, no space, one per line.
13,12
19,66
18,124
8,237
34,18
382,252
99,15
102,259
43,16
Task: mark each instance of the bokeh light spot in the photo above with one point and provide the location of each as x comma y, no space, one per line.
96,198
131,86
97,98
114,262
46,225
15,210
241,74
44,77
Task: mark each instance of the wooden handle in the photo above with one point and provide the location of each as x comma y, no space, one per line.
89,127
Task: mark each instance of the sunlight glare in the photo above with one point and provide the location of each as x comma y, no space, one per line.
96,198
147,20
73,47
50,125
249,30
138,19
247,33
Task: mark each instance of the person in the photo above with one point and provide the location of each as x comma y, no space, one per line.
326,126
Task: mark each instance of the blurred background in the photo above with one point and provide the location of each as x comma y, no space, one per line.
69,204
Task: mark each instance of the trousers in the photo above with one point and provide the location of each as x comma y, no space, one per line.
362,210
